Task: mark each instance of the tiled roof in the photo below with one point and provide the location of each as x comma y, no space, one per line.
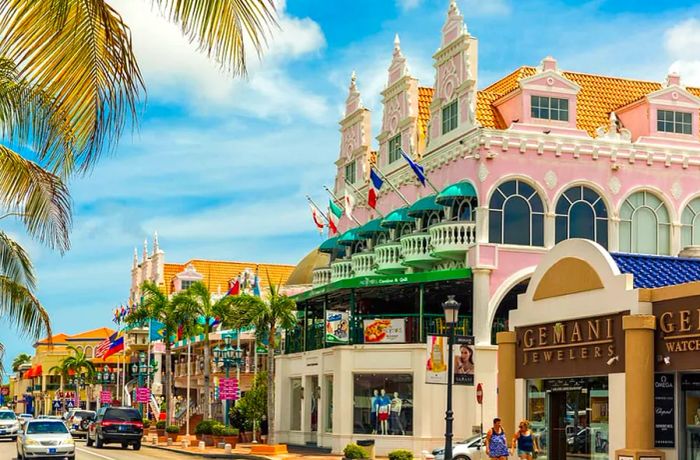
425,97
99,333
657,271
216,274
486,113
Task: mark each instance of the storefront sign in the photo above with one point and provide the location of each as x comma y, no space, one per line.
579,347
337,327
463,355
664,412
143,394
385,330
677,334
463,352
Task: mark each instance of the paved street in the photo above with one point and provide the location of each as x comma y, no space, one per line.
8,451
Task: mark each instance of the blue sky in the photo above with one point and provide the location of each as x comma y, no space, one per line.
219,167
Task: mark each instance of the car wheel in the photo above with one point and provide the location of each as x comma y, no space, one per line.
137,445
125,445
461,457
88,441
98,441
13,438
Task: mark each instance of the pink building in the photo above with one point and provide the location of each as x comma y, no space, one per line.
540,156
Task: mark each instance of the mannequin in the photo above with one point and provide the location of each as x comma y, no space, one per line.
383,412
374,406
395,416
697,416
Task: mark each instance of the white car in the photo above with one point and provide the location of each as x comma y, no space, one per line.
45,438
24,418
469,449
9,425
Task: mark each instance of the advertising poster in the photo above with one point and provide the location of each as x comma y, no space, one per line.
337,327
462,355
385,330
664,411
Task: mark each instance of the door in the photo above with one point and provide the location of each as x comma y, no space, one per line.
569,425
557,425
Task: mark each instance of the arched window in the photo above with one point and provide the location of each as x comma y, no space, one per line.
88,351
432,219
644,225
690,224
463,209
380,238
404,229
516,215
581,213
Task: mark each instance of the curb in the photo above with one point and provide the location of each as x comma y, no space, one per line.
205,455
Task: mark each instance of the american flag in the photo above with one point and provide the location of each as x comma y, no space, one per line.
102,348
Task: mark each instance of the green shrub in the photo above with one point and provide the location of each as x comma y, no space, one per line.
229,431
217,429
205,427
401,454
354,451
160,424
146,423
172,429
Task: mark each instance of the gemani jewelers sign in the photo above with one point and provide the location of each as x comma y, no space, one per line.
677,341
574,348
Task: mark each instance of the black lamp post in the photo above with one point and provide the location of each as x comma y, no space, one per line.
451,309
142,369
227,357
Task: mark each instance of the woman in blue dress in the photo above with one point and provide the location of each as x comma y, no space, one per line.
496,443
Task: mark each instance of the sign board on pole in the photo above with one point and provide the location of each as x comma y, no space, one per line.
56,404
479,394
463,360
106,397
228,389
143,395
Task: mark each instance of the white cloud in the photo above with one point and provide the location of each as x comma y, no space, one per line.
682,43
407,5
474,8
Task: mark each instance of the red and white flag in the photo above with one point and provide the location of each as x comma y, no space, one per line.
349,203
332,226
317,218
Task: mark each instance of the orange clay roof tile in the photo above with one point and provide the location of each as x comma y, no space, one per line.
425,97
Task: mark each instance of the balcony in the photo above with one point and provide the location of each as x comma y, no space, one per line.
451,240
321,276
417,250
340,270
388,258
363,264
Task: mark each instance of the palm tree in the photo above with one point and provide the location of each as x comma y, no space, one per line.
197,302
267,316
79,364
156,305
19,361
63,370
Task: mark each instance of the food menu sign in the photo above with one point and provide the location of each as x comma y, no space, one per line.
337,326
385,330
664,412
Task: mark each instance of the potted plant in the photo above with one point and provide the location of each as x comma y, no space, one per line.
400,454
217,430
173,431
230,436
146,424
160,426
353,451
203,430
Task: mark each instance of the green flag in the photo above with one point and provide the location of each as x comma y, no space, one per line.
335,209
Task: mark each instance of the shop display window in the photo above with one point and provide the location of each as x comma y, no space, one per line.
383,404
692,424
329,403
297,392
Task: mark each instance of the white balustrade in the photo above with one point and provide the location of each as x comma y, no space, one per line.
363,264
340,270
388,257
321,276
416,249
452,239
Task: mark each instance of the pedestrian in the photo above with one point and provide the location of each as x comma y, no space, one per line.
525,442
496,443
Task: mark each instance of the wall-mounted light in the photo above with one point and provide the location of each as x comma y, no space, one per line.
667,360
612,360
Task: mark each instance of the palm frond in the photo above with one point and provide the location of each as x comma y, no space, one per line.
20,359
223,28
19,306
15,262
39,197
79,53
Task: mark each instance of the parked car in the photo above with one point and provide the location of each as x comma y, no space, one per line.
23,418
119,425
9,425
468,449
45,438
49,417
78,422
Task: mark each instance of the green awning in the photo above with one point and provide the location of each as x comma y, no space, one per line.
371,228
423,206
454,192
330,245
349,237
396,217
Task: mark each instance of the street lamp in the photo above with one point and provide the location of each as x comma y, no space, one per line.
451,309
228,357
141,369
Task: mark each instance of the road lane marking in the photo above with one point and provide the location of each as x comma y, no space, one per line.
95,454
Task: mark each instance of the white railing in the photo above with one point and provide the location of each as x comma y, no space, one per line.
417,249
452,238
363,264
321,276
388,258
340,270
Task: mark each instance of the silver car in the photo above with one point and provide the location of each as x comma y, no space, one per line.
470,449
45,438
9,425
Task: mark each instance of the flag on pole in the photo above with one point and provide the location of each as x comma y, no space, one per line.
256,284
349,202
116,344
335,209
102,348
417,169
332,227
234,287
317,221
376,183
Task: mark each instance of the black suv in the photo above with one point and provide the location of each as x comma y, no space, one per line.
120,425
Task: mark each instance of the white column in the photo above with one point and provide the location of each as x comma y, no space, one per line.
481,326
482,224
614,234
675,245
549,234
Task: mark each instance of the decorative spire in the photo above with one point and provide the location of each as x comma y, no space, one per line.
136,258
155,243
614,124
353,101
397,45
398,67
145,249
454,24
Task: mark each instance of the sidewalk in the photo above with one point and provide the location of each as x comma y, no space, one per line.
241,451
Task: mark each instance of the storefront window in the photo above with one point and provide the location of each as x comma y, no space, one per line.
383,404
691,398
569,417
329,403
296,400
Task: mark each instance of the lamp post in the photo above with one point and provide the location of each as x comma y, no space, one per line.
451,309
141,369
227,357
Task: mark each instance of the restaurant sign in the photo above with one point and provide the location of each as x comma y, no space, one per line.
578,347
677,334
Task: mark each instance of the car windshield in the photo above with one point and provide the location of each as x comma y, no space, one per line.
7,416
470,440
84,414
46,427
123,415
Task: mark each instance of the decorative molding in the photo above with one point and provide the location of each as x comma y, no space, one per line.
483,172
614,185
550,179
676,190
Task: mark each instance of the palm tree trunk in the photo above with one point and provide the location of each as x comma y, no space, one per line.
207,375
168,381
271,386
63,395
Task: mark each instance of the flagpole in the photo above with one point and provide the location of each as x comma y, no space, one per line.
361,194
317,208
425,176
392,186
343,204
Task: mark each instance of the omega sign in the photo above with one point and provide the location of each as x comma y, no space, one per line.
580,347
677,334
